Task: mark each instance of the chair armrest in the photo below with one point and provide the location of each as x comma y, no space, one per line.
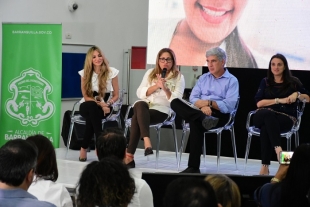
74,108
248,121
172,116
183,123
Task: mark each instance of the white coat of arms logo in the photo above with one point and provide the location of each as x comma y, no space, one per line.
29,102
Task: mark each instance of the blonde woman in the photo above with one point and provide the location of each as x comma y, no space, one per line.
226,190
98,80
156,93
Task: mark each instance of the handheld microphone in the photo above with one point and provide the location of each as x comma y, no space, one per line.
163,73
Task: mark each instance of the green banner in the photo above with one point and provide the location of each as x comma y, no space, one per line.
31,81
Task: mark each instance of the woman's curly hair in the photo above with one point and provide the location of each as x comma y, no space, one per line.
105,183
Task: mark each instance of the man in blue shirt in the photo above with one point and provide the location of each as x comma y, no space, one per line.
215,95
18,160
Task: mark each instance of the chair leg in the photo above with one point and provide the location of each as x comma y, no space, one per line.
247,150
288,142
181,148
175,142
296,139
233,142
219,141
119,122
69,137
204,149
125,130
157,147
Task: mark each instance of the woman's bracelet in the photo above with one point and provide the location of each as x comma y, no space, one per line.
274,179
276,100
110,102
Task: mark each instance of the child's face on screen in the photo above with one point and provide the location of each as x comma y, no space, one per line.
212,21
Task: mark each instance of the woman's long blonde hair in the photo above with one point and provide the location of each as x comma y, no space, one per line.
157,70
226,190
89,70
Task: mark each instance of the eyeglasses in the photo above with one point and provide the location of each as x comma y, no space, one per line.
162,60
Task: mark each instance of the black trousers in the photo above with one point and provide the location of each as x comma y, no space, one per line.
271,124
141,120
195,117
93,115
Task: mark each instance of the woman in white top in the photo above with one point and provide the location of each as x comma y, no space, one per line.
156,93
46,173
98,80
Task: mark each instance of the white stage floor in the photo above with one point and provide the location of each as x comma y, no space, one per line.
70,168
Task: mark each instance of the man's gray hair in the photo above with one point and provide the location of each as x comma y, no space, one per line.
218,52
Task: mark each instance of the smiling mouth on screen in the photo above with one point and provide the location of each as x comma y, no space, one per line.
214,16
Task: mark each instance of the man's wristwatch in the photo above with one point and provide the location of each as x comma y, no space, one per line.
210,103
298,94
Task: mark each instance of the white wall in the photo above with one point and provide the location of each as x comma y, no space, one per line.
113,25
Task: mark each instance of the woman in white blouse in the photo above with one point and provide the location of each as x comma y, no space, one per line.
156,93
98,80
46,173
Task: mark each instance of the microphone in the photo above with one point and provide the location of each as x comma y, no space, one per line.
163,73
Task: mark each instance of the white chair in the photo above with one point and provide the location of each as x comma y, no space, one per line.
252,130
114,116
168,122
228,126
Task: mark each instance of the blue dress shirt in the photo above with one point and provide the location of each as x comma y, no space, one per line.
223,90
20,198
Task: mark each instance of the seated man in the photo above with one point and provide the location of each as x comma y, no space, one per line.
112,143
18,159
215,94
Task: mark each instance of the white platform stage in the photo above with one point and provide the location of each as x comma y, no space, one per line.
70,168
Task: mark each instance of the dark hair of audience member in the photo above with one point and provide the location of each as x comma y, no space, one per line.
17,158
189,192
111,142
105,183
296,184
46,162
226,190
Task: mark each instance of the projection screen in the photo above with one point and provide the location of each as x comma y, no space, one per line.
249,31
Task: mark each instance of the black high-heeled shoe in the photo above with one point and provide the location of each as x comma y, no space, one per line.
148,151
83,159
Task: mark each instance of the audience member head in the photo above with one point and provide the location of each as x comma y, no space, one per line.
46,162
105,183
18,160
297,181
189,192
226,190
218,52
111,143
